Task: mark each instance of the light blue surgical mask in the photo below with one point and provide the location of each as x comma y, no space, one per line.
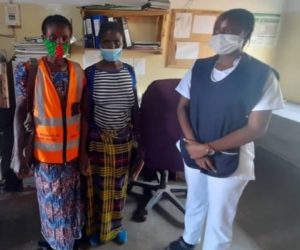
111,55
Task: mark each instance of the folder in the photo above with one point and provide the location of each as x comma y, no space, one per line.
126,35
97,21
88,37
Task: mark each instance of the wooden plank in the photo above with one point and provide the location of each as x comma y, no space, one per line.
4,91
123,13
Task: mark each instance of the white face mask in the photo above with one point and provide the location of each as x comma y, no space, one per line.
224,44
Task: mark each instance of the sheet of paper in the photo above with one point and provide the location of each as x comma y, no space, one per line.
187,50
139,65
90,57
128,61
266,30
183,25
203,24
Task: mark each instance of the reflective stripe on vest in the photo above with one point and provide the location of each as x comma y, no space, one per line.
48,116
56,146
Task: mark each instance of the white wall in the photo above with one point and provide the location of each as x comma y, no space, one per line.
292,6
272,6
288,51
33,14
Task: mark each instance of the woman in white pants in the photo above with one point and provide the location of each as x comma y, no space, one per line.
226,103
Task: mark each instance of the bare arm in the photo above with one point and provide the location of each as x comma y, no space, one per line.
135,118
84,127
256,127
19,119
183,118
19,163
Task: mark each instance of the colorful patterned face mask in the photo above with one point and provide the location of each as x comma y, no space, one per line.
57,50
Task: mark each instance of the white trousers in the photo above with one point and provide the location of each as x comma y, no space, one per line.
214,201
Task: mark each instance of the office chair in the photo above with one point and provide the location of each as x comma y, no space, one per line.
160,131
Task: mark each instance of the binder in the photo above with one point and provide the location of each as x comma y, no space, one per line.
126,35
92,26
128,41
88,37
97,21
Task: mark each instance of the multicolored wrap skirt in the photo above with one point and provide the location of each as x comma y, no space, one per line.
106,184
60,203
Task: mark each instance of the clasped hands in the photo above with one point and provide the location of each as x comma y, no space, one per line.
199,153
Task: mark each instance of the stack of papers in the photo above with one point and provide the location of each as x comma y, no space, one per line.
29,49
113,7
158,4
146,45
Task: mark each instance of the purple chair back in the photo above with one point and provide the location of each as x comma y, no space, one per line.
160,129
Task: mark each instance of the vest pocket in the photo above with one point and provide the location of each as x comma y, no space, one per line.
225,164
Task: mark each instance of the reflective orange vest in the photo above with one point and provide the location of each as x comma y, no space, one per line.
57,128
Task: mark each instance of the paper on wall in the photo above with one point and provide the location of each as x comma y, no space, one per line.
139,65
187,50
183,25
90,57
266,30
128,61
203,24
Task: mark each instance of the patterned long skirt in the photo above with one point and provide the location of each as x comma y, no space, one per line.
109,157
60,204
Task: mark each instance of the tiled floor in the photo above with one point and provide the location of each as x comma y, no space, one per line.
19,226
268,216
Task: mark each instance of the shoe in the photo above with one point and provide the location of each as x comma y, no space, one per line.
180,244
122,237
94,240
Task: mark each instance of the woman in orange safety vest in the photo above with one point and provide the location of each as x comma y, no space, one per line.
57,94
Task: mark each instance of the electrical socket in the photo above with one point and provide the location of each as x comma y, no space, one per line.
12,14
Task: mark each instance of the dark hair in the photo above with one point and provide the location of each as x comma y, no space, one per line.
57,20
243,17
109,26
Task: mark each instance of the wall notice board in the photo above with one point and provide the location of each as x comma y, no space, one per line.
190,31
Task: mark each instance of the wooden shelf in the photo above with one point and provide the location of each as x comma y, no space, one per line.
152,51
138,19
123,13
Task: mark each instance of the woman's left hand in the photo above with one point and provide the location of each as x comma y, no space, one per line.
195,149
84,164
